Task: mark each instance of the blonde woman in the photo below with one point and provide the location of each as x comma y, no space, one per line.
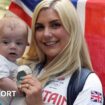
61,50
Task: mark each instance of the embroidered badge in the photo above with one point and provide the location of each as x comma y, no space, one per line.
96,96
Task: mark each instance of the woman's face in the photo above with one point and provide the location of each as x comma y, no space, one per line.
50,35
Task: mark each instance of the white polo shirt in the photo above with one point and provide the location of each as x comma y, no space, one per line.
55,92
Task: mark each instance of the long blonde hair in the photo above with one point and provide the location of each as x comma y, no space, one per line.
75,55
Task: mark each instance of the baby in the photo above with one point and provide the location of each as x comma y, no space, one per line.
13,41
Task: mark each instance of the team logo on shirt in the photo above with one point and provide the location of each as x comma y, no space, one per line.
96,96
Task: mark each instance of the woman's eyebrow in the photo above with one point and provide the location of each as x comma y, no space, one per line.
55,20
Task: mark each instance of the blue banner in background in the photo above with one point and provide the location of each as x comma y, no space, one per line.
31,4
74,2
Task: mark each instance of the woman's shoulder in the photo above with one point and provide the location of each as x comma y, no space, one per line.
92,91
93,81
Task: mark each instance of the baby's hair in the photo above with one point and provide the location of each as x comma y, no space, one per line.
12,22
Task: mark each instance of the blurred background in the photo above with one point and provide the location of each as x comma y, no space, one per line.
3,6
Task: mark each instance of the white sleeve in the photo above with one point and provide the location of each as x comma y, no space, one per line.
92,93
4,71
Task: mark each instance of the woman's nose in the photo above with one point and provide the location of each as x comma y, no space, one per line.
47,32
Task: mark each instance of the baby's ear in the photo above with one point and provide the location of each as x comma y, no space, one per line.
28,44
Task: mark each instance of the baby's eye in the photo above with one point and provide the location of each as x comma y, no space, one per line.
19,43
5,42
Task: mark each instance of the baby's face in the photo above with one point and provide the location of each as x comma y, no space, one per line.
13,43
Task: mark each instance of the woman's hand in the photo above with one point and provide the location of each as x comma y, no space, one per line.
33,90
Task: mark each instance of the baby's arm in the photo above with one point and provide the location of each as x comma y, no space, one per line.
7,84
